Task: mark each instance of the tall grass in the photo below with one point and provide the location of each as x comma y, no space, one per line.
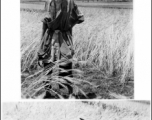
105,39
104,42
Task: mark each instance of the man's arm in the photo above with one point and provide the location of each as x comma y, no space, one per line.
79,14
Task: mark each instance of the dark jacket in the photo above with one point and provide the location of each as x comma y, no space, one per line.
64,22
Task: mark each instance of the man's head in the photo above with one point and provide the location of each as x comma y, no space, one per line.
52,5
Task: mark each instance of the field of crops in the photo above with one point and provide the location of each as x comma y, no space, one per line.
104,55
112,110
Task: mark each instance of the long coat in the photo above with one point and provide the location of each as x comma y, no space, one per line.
68,16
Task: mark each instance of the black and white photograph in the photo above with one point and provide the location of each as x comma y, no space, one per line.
75,60
77,49
77,110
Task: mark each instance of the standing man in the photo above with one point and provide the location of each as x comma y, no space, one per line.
56,40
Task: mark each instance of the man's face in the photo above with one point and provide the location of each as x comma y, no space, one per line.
58,4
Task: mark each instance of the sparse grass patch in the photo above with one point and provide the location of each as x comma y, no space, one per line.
74,110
